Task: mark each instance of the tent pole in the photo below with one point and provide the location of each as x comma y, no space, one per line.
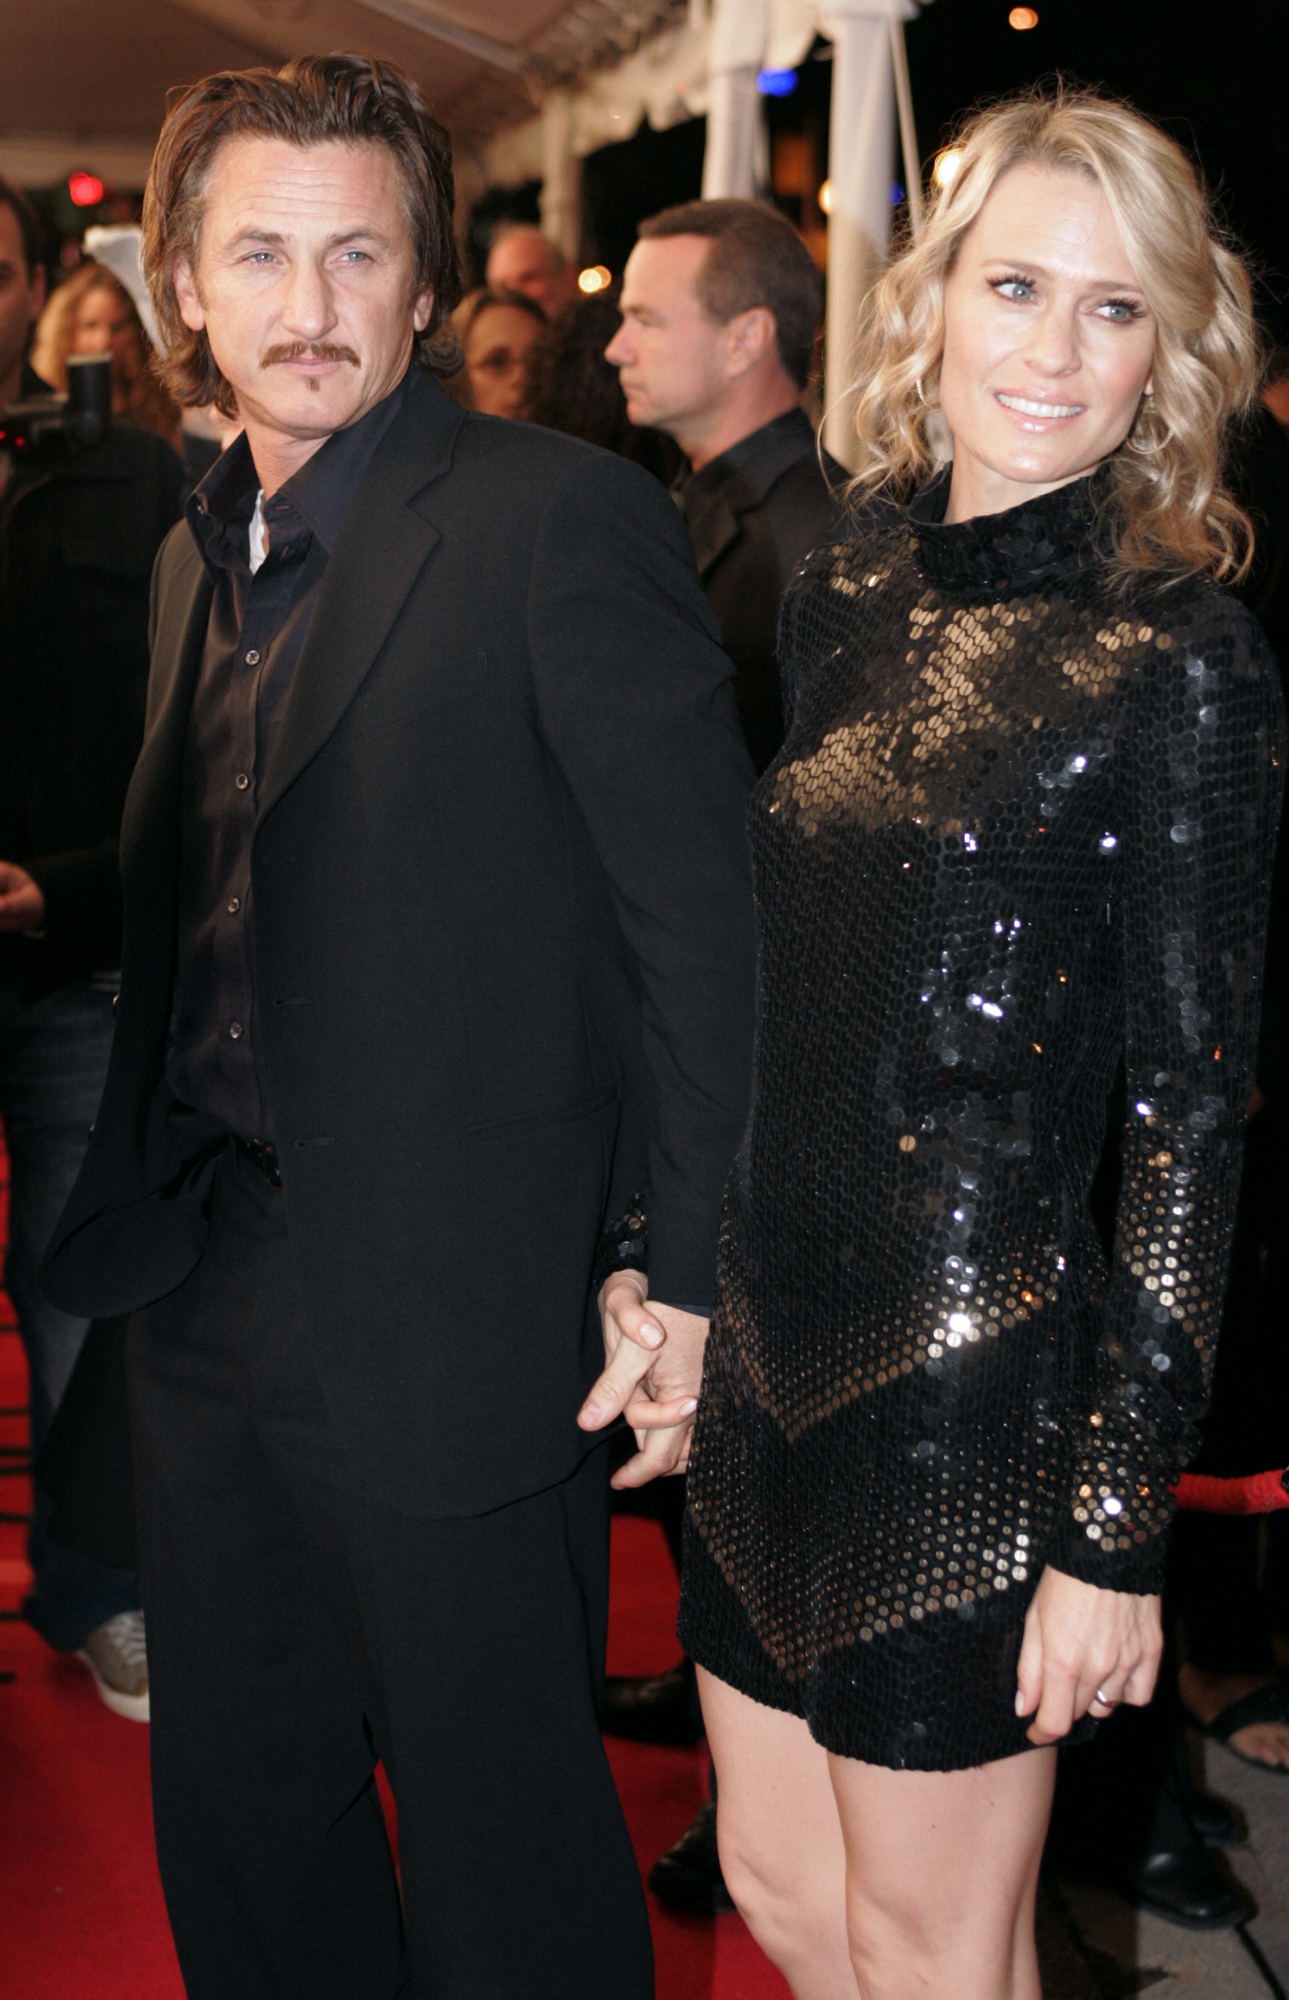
908,130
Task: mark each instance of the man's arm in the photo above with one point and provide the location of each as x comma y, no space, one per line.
634,698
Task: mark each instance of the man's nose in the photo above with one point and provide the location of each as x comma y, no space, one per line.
308,311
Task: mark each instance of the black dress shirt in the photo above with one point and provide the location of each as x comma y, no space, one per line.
753,514
258,623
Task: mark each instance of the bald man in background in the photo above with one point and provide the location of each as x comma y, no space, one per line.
523,260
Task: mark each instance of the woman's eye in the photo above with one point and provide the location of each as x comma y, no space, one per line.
1120,310
1019,289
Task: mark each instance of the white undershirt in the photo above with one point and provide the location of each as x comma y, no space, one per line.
258,536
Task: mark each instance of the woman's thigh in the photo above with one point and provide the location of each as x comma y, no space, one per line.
780,1839
941,1874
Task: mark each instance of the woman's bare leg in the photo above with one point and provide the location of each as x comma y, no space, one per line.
780,1840
861,1881
942,1871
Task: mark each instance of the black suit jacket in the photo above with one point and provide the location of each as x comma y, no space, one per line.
504,946
754,514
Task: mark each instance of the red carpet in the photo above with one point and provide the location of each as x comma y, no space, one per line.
81,1915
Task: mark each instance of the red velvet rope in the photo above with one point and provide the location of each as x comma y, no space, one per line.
1257,1493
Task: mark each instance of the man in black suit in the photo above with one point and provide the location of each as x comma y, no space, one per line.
438,963
720,307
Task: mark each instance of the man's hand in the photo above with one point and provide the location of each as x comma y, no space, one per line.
654,1364
1084,1651
22,901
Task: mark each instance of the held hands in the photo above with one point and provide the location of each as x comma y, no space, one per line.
654,1364
22,902
1084,1651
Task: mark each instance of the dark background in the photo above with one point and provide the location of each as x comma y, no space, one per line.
1215,75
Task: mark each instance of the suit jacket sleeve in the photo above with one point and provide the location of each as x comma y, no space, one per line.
635,701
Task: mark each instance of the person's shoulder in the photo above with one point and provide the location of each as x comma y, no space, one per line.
1192,615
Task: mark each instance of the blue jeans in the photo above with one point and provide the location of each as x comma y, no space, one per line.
53,1061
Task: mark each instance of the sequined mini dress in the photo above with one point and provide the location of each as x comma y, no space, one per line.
1020,832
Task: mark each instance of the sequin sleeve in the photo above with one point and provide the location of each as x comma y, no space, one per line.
1199,800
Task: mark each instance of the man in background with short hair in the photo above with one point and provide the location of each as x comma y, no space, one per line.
721,302
523,260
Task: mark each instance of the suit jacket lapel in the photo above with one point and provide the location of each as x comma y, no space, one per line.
378,556
150,825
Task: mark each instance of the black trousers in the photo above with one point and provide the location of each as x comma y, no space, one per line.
298,1628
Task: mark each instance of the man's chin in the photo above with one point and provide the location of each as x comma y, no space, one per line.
304,406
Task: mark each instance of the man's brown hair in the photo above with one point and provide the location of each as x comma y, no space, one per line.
756,259
354,99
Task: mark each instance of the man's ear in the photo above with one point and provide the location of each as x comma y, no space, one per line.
749,337
422,311
191,311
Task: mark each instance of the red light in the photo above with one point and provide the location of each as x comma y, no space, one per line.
86,190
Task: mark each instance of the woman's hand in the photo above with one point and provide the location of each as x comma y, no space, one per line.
1084,1651
654,1365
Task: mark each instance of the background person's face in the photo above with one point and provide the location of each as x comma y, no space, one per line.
1048,338
104,324
494,351
304,282
524,262
22,294
668,351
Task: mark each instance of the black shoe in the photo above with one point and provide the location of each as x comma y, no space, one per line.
1214,1820
662,1709
1186,1889
688,1876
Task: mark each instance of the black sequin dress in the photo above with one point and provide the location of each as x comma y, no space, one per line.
1021,829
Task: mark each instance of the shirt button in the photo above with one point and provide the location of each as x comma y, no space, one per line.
235,1030
252,658
234,905
241,781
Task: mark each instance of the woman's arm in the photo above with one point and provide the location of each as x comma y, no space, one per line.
1199,799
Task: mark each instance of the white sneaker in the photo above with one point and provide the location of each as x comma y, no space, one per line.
117,1655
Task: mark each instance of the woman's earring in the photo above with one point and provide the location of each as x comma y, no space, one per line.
922,396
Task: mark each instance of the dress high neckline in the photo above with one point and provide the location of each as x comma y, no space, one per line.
1054,535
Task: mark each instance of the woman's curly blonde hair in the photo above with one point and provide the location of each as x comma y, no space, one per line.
1169,508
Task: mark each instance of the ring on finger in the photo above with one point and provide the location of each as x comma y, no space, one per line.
1104,1699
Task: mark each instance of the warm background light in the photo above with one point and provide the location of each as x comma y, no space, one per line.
86,190
1022,17
596,278
825,197
946,165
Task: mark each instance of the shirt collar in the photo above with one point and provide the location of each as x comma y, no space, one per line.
756,461
319,494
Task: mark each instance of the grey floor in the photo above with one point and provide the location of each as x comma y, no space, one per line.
1093,1947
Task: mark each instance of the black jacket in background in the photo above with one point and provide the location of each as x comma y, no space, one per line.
504,947
753,514
78,537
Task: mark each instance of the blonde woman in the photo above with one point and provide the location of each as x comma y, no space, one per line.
1021,828
92,313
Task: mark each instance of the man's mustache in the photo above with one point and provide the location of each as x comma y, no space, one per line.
310,350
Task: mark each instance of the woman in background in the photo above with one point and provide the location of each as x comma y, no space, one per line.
92,313
497,330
